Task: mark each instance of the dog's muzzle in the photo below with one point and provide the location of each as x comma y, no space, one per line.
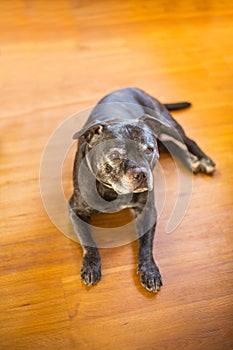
138,178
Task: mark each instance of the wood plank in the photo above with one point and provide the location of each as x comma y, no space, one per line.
57,59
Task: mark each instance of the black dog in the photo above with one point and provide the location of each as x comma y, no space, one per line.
118,147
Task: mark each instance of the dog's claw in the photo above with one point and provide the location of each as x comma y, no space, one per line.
89,277
150,277
207,166
203,165
91,272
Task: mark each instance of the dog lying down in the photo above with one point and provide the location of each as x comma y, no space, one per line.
119,146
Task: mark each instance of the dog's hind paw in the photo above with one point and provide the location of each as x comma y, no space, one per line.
203,165
207,166
195,164
150,277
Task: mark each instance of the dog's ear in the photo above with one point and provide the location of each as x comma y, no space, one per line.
156,124
90,131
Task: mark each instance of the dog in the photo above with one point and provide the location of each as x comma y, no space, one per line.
119,147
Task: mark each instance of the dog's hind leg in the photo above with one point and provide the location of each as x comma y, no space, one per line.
206,164
177,149
198,160
188,152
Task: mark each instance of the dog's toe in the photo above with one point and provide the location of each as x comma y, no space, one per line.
90,274
195,164
207,166
203,165
150,277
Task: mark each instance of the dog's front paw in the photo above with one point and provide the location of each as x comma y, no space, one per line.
91,271
150,277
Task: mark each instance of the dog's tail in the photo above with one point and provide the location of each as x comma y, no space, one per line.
177,106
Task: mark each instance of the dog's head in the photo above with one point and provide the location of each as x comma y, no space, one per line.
121,155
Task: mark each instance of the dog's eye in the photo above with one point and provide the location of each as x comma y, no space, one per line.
108,168
149,150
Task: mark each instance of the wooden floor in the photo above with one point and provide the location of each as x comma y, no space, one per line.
57,58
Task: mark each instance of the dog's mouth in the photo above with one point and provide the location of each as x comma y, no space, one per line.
136,190
142,189
107,184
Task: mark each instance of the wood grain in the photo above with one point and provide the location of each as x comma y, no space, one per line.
59,58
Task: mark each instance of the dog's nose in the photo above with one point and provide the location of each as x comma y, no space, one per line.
139,175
